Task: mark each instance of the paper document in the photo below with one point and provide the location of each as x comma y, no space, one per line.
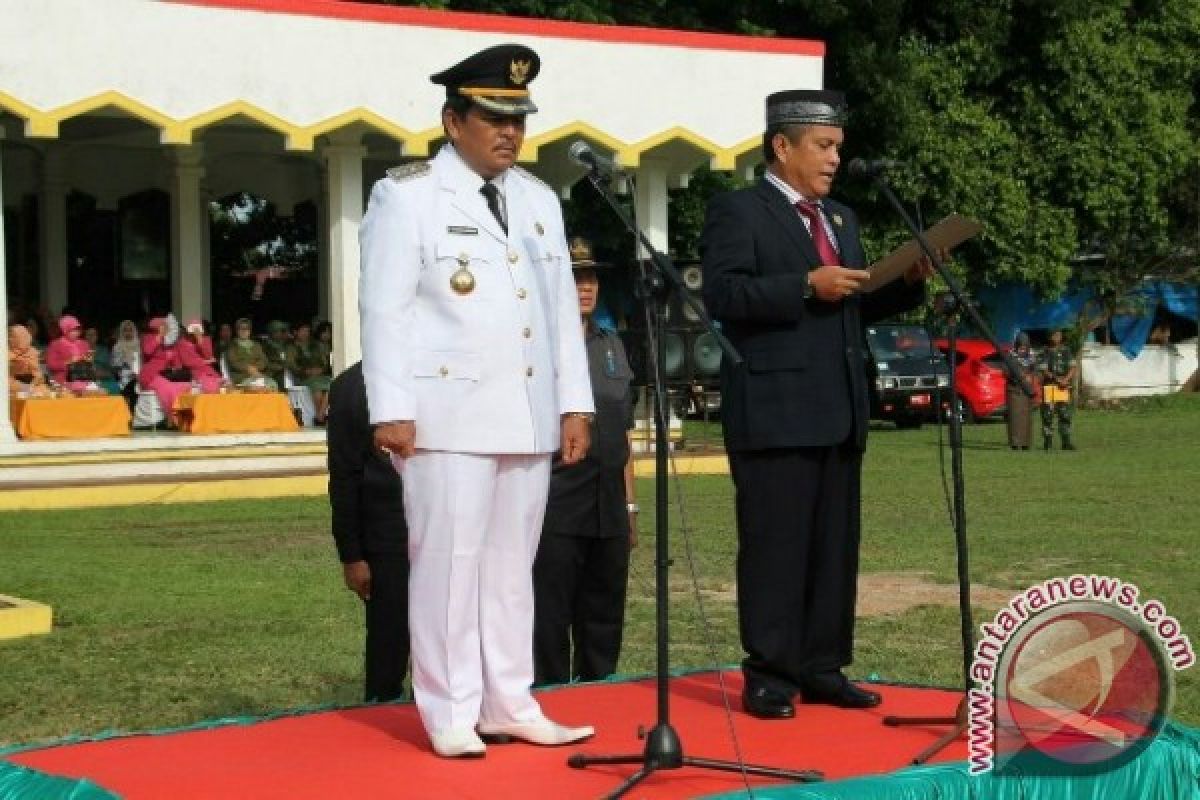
946,235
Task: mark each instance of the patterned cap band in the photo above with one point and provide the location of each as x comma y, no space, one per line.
799,112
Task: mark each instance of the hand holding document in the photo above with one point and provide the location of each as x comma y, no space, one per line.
944,236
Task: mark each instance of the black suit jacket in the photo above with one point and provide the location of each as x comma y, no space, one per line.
364,489
802,382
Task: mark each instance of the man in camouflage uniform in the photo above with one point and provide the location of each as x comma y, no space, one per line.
276,348
1058,368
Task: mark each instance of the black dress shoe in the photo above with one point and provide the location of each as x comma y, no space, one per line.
843,695
767,704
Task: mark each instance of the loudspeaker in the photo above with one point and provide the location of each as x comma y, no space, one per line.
692,354
706,358
692,357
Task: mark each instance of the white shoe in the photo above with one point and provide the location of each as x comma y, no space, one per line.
458,743
542,731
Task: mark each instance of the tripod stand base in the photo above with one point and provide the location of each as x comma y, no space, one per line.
664,751
957,723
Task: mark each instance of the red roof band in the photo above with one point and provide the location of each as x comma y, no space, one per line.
495,23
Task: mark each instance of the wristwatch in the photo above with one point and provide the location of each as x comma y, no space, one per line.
589,416
632,508
808,289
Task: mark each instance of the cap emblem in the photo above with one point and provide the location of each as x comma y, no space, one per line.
518,70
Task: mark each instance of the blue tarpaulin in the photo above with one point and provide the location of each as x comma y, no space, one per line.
1014,307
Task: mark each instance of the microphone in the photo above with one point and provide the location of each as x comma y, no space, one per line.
861,168
582,154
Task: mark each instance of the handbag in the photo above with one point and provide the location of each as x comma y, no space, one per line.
81,371
177,374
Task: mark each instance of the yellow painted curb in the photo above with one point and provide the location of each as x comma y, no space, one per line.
178,492
710,464
24,618
205,491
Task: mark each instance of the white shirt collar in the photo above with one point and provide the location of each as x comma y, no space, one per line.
791,194
471,179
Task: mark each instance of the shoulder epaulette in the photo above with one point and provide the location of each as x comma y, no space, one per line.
404,172
534,178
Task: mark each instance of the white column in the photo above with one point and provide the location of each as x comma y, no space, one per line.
187,235
205,254
345,196
52,214
6,429
651,200
324,300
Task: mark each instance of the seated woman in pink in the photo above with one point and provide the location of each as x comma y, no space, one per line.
69,349
202,342
171,369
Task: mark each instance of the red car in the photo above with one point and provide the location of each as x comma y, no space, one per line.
979,375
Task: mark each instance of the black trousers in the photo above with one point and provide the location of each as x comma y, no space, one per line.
579,600
797,565
387,628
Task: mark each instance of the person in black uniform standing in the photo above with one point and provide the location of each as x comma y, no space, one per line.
582,564
370,533
782,269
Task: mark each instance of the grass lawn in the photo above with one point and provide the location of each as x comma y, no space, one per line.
167,615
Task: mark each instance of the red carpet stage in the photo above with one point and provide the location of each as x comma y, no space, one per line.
381,751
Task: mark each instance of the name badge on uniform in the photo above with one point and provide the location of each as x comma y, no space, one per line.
463,230
610,363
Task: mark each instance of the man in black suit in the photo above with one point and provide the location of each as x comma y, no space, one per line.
783,266
370,533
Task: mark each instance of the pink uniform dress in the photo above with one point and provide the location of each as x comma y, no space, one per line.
160,359
61,352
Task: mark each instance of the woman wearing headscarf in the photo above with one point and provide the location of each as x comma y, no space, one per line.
125,360
197,334
1020,407
246,360
172,366
24,368
69,357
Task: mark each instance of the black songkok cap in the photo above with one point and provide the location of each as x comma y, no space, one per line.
496,79
806,107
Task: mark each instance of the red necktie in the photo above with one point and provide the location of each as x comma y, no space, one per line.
816,228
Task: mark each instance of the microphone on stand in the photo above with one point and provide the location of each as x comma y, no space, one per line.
862,168
582,154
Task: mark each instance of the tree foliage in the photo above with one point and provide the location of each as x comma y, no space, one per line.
1069,127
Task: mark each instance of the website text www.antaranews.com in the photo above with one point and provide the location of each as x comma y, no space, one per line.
1039,598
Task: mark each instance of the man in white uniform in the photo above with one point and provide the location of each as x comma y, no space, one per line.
476,374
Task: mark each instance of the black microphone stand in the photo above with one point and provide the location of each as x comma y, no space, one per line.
663,749
960,304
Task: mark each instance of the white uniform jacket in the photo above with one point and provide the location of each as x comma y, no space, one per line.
488,371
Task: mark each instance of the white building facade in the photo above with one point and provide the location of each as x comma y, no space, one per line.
145,110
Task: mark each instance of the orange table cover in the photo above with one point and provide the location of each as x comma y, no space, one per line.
70,417
235,413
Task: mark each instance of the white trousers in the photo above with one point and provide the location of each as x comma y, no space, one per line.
473,527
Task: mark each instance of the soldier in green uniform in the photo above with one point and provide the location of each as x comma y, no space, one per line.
1058,369
246,360
276,348
308,359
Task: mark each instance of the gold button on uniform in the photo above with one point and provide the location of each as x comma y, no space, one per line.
527,333
443,372
512,256
529,372
521,294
